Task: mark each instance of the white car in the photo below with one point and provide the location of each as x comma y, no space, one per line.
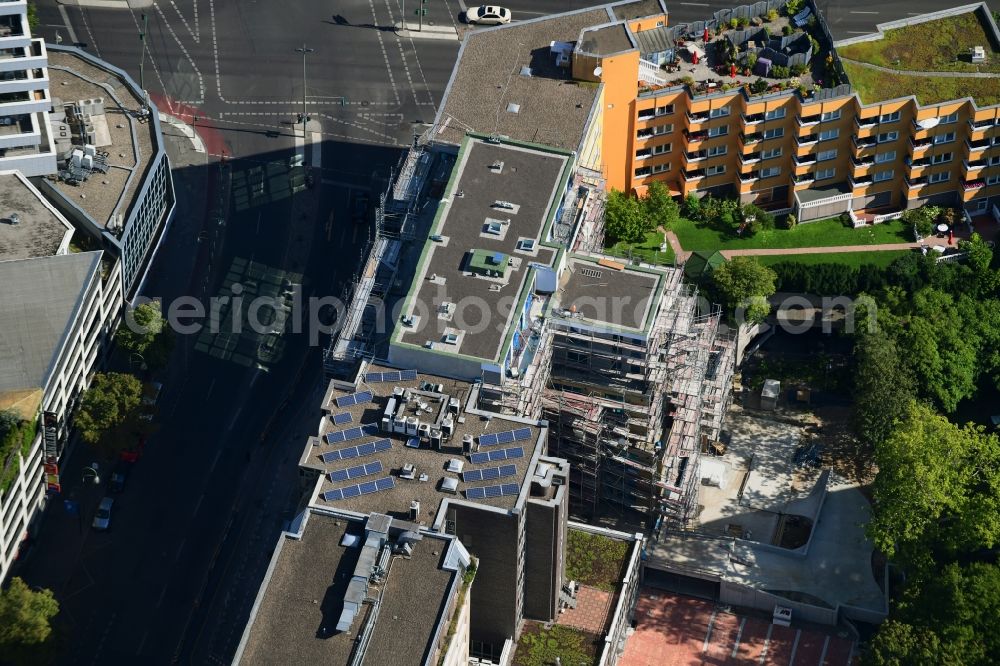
487,15
102,519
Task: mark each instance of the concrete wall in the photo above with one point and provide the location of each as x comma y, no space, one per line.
738,595
543,544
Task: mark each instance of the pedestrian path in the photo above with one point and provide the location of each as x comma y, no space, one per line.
910,72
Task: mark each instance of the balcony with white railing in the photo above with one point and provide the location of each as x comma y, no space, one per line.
807,121
23,58
803,160
974,165
651,73
976,147
919,145
916,183
24,102
807,140
973,185
863,145
749,159
693,175
804,179
695,156
860,182
866,123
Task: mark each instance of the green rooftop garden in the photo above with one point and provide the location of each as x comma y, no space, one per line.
852,259
541,647
15,436
944,45
595,560
484,262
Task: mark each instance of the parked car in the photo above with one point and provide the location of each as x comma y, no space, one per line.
150,395
487,15
102,519
119,475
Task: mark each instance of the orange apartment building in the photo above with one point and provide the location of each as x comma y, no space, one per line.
589,81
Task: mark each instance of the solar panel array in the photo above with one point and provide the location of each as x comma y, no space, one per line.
351,433
340,419
507,437
497,454
393,376
366,488
354,399
493,491
489,473
354,472
357,451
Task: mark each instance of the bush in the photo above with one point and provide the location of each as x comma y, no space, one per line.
787,30
751,60
772,14
845,219
733,23
789,221
758,86
755,220
796,70
815,45
692,208
793,7
811,22
779,72
742,21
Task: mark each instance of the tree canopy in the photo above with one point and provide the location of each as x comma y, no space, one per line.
883,387
111,400
624,217
743,282
145,332
25,615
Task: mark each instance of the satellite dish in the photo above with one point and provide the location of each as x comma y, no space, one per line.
598,71
928,123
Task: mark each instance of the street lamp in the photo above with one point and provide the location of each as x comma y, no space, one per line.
92,473
305,118
142,360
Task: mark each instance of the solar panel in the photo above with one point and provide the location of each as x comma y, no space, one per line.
368,487
474,475
355,472
510,489
382,444
391,376
493,491
339,475
332,495
516,452
356,451
350,452
354,399
505,437
350,491
340,419
475,493
351,433
508,470
477,458
385,483
488,440
373,376
491,473
408,375
522,434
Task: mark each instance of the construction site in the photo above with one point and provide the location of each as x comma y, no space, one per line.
633,378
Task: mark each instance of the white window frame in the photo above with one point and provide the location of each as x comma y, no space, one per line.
660,168
994,161
941,139
661,149
715,170
775,114
889,117
882,176
770,172
882,158
824,174
721,130
939,177
664,110
943,158
642,172
950,118
716,151
720,112
829,135
830,115
979,204
825,155
770,154
993,180
663,129
643,153
773,133
886,137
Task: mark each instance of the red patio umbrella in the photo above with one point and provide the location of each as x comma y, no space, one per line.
694,57
705,36
951,237
732,71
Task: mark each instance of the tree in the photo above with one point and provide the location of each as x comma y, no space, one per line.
937,491
25,615
33,17
745,282
145,332
109,402
661,209
625,217
883,387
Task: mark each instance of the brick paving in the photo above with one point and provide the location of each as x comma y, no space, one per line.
674,630
591,612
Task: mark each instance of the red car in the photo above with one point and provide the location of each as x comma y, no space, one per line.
132,455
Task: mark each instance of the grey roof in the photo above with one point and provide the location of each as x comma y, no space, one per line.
530,179
41,230
607,40
396,502
815,193
637,9
656,40
303,596
553,108
604,294
39,300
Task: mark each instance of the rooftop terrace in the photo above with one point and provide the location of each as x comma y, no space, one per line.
489,77
608,292
130,144
433,404
303,596
40,231
500,201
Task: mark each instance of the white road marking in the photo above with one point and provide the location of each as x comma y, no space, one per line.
69,26
858,12
739,633
708,631
170,29
695,4
767,643
196,33
385,54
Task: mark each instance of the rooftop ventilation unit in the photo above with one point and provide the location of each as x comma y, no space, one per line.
525,71
514,108
14,219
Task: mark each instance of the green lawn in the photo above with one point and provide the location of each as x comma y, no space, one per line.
934,46
648,250
874,86
595,560
541,647
824,233
854,259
